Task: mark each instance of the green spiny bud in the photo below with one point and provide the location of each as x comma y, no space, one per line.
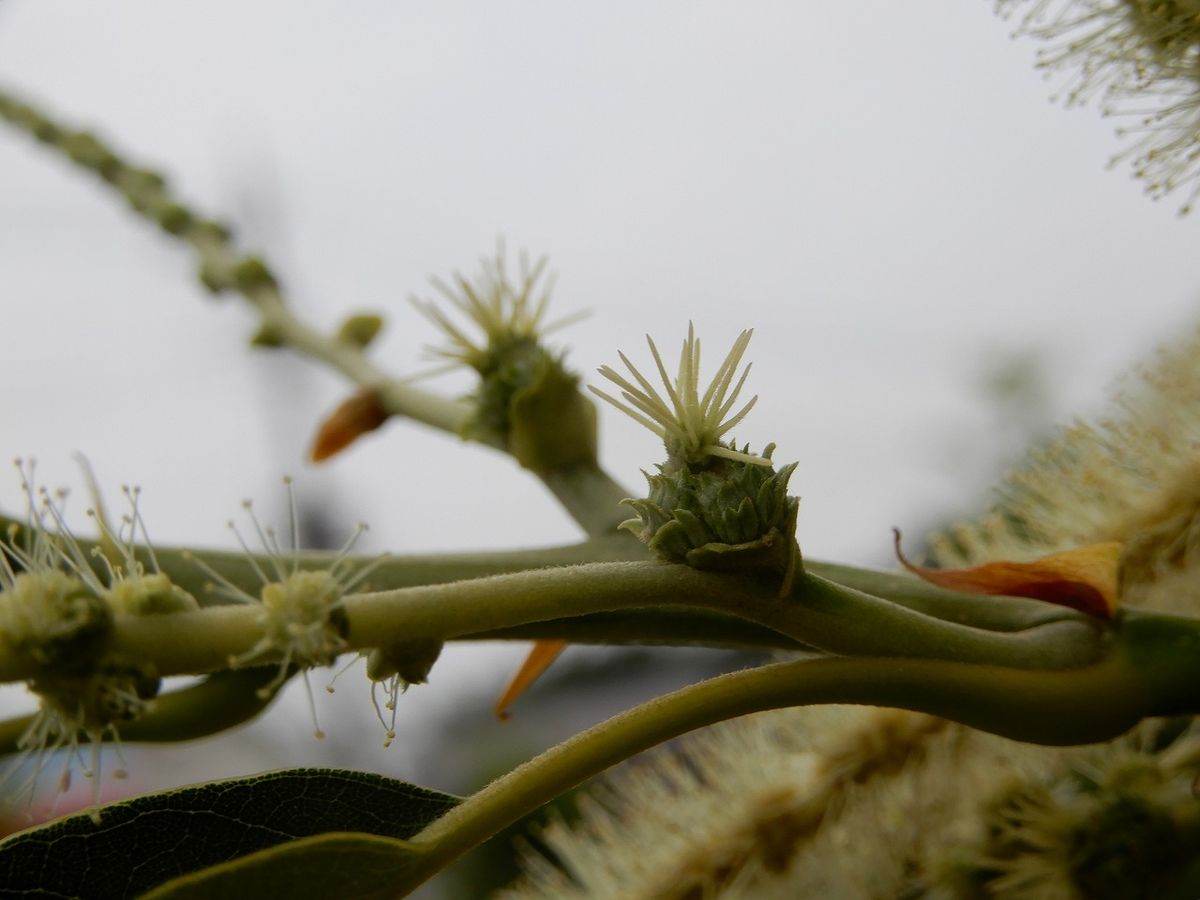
46,132
269,336
530,401
724,515
252,274
711,505
360,330
209,230
504,367
174,218
551,425
215,278
86,150
142,188
527,400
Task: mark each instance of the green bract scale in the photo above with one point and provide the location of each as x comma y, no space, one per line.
57,608
527,401
711,505
724,515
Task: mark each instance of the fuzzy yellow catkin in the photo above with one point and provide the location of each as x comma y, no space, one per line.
867,804
833,802
1141,60
1130,477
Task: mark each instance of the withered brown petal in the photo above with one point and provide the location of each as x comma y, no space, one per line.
362,412
1084,579
538,661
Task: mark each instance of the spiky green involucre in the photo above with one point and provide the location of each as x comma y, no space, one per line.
528,401
722,515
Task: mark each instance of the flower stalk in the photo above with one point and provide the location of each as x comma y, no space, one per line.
1080,705
817,613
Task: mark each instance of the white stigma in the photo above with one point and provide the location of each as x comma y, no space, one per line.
685,419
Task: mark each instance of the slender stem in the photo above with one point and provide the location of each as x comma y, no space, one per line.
238,567
678,626
589,494
1076,706
817,613
593,499
839,619
390,572
217,703
667,626
396,397
990,612
222,267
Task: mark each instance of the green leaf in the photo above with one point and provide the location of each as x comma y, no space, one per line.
142,843
345,866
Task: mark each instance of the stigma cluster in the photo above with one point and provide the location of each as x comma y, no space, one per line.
58,604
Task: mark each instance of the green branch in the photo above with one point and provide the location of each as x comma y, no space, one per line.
817,613
1094,703
391,571
987,612
663,626
223,268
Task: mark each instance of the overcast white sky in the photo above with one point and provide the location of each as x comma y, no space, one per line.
882,190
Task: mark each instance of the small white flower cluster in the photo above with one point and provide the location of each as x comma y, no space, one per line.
301,610
57,606
396,668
